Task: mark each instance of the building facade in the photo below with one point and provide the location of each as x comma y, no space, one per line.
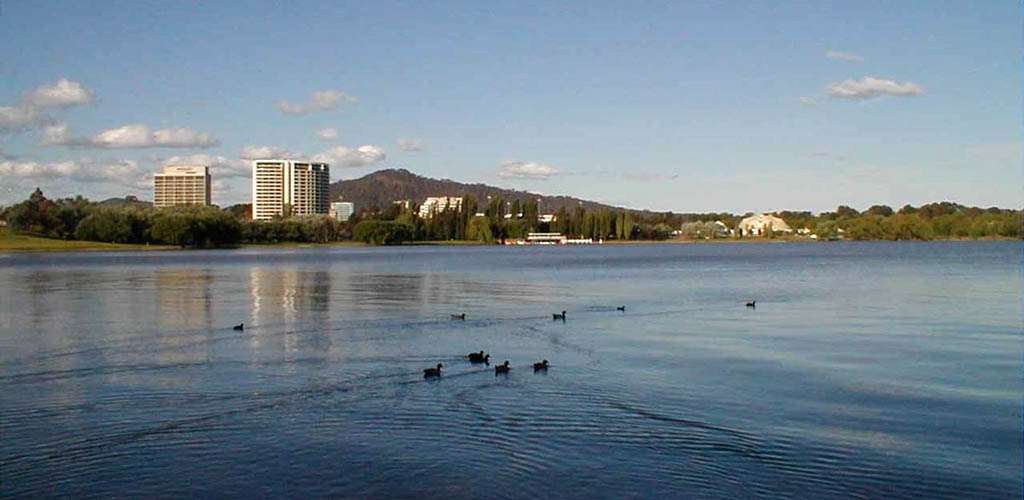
436,204
760,225
284,188
182,185
342,210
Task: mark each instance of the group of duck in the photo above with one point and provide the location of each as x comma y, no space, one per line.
483,357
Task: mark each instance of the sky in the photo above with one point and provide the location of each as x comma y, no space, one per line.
697,106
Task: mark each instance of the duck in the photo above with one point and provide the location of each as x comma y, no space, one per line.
478,357
459,316
239,327
752,304
502,368
621,308
558,316
543,365
433,372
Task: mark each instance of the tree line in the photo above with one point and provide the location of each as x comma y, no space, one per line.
495,221
187,226
498,221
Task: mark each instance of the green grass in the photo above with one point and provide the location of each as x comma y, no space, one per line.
16,242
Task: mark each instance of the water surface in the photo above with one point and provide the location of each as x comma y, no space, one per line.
866,370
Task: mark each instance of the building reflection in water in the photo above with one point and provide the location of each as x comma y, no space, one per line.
291,306
184,298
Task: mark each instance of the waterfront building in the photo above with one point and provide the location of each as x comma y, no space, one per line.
437,204
759,225
342,210
182,185
285,187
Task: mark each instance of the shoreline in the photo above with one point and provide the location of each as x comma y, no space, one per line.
22,243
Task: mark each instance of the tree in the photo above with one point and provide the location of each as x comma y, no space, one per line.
845,211
628,226
479,229
882,210
379,232
531,214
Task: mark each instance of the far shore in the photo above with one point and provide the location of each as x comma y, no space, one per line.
22,243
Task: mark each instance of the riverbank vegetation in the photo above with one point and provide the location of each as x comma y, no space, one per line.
136,223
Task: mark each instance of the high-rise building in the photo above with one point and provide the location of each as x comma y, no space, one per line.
342,210
182,185
301,187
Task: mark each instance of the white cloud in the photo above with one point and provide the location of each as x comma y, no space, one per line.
220,167
870,87
324,100
16,119
128,136
264,153
347,157
183,138
28,115
525,170
649,176
807,101
411,144
327,134
63,94
55,135
122,172
134,136
843,56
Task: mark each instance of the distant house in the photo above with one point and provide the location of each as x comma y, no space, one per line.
721,230
759,225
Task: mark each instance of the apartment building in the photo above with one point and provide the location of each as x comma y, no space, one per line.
182,185
285,187
437,204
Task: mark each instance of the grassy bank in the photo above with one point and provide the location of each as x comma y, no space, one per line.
16,242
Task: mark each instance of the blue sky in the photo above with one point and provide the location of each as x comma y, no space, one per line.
683,106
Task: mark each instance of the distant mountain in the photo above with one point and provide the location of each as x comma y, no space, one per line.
381,188
127,200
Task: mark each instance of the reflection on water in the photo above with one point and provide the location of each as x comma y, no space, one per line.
861,373
184,298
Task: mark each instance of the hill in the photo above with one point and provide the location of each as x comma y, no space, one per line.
127,200
383,187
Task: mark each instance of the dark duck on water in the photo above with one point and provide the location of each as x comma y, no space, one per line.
503,368
433,372
478,357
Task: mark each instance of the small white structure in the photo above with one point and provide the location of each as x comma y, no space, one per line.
342,210
759,225
551,239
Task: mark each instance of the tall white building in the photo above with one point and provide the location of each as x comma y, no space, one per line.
301,186
182,185
436,204
342,210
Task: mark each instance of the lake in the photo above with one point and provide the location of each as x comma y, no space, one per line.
871,369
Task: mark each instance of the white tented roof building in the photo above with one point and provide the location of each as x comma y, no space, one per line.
757,225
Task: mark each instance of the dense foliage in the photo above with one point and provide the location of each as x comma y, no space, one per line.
184,226
497,221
